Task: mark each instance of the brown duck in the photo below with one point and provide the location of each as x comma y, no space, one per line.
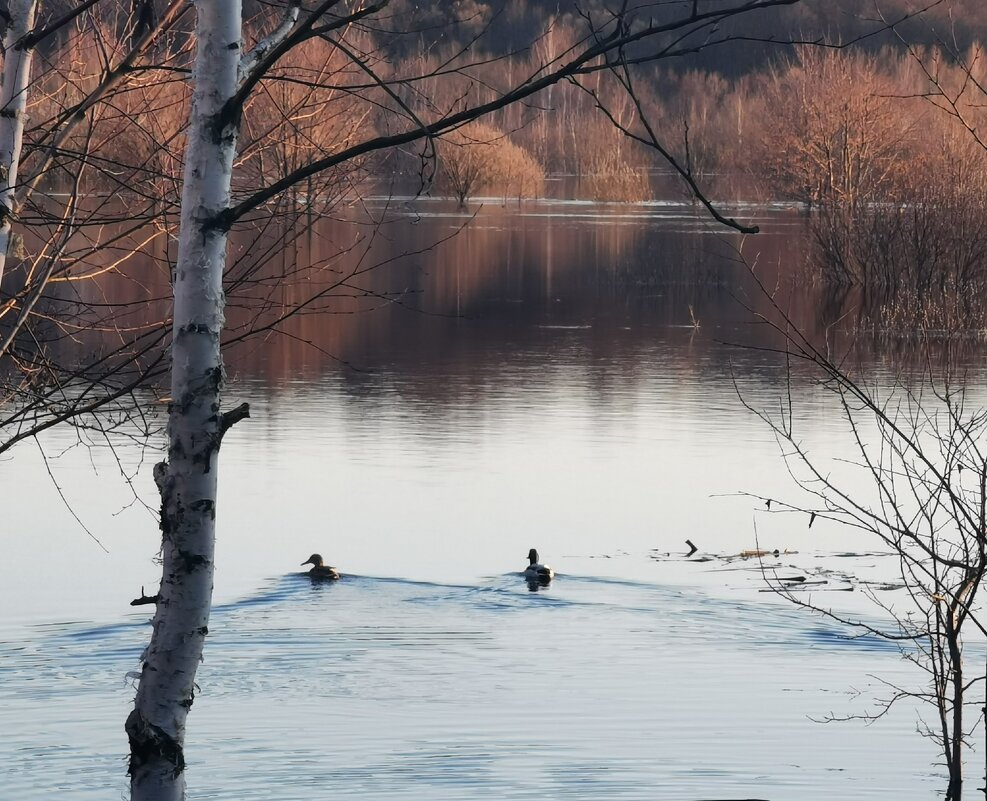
320,570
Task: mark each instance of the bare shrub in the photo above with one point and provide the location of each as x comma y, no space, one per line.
516,173
479,158
943,314
924,231
463,161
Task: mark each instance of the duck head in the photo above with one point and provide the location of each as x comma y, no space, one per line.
315,560
532,556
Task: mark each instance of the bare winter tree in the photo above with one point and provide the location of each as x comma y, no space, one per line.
917,486
917,489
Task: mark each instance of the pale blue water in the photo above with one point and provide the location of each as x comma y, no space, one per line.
391,688
553,397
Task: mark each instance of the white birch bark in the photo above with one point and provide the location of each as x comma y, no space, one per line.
13,106
187,480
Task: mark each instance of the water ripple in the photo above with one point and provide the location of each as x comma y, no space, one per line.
382,687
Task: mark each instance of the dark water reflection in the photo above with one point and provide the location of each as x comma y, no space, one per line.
523,278
499,285
409,285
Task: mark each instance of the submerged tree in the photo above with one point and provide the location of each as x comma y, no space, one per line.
479,158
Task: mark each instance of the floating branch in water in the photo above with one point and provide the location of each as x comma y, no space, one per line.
145,599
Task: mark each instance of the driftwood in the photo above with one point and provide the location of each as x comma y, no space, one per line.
751,553
145,599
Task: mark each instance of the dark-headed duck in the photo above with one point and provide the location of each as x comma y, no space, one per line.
537,572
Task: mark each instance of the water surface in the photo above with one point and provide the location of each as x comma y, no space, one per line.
536,382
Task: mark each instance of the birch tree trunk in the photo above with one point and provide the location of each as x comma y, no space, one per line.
187,480
13,104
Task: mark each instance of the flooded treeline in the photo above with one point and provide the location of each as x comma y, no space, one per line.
880,145
809,124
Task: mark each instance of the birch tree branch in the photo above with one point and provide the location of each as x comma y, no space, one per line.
250,60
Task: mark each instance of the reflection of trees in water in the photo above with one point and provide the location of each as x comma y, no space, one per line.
431,286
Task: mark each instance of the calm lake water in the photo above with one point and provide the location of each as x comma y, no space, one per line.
535,381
